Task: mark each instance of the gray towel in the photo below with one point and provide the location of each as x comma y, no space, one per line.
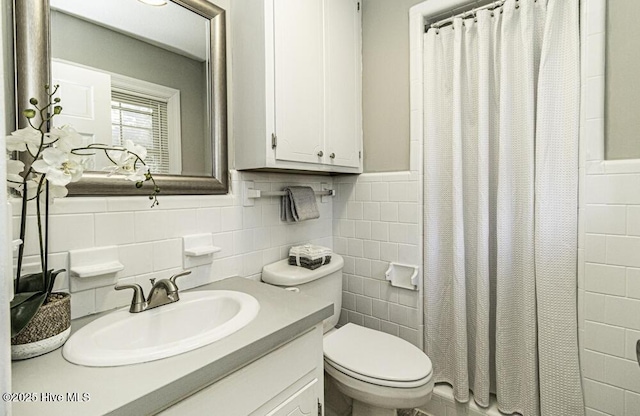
299,204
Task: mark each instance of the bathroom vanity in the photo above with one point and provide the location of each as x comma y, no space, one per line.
272,366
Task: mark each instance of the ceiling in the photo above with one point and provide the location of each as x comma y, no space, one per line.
170,27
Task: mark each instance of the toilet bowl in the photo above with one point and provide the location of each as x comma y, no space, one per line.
379,371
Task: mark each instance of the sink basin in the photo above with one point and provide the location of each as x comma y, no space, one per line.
197,319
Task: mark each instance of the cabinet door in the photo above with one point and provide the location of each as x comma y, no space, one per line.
343,82
303,403
299,79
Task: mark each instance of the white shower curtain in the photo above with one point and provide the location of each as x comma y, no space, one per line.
501,172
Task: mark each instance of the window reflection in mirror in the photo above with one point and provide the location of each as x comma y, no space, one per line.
622,89
129,71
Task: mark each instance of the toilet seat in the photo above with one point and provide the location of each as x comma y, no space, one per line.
377,381
376,357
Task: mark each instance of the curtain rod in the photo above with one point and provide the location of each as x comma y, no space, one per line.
444,22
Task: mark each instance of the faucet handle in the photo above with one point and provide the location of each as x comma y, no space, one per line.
138,303
173,278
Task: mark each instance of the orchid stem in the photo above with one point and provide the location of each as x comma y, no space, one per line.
39,218
23,227
46,236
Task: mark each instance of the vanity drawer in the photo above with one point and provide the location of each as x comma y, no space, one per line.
288,375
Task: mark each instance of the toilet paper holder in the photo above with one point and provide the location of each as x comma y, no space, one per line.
403,275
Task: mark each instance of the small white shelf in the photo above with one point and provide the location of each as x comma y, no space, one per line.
97,269
15,244
201,251
198,250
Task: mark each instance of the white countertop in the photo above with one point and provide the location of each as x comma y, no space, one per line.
150,387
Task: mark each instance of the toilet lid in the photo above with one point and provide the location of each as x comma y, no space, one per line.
376,355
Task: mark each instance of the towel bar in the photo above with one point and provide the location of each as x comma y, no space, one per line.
260,194
249,194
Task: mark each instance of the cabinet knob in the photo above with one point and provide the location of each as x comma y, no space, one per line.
320,153
332,155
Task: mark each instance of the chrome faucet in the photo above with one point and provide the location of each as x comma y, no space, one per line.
163,292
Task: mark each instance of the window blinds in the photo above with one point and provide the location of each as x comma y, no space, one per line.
142,120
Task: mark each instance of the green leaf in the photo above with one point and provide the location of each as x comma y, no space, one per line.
22,313
22,297
51,279
32,283
36,283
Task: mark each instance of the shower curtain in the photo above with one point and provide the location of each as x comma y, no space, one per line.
501,180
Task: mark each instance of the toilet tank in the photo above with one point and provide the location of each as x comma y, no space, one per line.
324,282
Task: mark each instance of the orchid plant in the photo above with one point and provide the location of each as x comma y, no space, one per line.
56,158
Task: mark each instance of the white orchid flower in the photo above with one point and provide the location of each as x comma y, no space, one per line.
65,138
127,169
138,174
32,187
20,139
14,168
125,162
55,191
138,150
59,167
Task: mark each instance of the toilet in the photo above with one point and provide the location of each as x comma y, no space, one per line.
379,371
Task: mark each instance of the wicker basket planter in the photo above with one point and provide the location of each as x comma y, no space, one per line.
47,331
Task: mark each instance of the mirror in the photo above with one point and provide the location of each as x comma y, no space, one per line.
131,71
622,94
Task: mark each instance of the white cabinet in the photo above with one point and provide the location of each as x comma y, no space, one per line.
296,68
299,75
343,83
286,382
302,403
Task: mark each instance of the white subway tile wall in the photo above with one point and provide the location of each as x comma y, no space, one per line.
376,221
609,246
150,244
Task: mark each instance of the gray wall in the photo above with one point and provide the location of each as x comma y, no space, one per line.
78,41
385,84
622,124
